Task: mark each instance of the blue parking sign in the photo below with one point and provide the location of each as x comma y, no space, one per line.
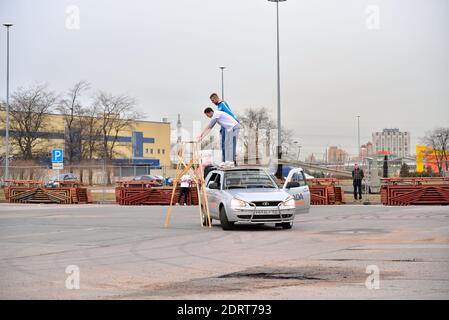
57,155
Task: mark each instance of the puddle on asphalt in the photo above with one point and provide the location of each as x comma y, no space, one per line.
256,279
266,273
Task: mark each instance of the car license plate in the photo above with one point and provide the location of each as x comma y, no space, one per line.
267,212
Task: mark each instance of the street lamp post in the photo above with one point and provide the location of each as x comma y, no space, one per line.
279,148
222,82
358,138
7,25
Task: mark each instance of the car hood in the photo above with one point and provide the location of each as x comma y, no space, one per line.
251,195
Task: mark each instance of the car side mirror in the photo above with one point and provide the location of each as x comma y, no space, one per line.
214,185
292,184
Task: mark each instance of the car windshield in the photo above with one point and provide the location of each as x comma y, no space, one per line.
248,179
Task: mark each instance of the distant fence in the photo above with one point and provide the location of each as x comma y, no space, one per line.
87,174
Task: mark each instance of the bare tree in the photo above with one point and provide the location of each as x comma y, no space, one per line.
253,120
90,138
73,112
256,120
286,138
29,117
438,140
91,133
115,113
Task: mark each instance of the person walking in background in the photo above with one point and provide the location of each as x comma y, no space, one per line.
185,185
357,177
224,107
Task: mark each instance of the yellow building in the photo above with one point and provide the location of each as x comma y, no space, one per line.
143,143
426,158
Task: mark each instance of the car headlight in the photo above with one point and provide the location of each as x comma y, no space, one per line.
237,203
289,202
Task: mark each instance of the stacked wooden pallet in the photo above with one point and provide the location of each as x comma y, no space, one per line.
324,191
28,191
415,191
142,193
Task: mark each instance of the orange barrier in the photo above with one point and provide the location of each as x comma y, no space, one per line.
143,193
30,191
325,192
415,191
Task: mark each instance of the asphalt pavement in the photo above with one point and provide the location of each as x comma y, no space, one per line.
118,252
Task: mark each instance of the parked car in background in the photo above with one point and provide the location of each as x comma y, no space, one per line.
286,170
150,179
160,179
251,195
54,181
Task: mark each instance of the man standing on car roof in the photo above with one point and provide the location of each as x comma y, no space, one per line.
224,107
230,125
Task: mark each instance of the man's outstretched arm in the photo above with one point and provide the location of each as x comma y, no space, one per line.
207,130
203,134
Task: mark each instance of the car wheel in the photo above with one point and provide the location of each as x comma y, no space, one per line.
286,225
225,223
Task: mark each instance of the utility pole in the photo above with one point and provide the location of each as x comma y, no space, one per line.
222,82
279,148
7,25
358,137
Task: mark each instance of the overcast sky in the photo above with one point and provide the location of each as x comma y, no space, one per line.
337,59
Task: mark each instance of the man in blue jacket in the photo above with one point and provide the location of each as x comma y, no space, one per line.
224,107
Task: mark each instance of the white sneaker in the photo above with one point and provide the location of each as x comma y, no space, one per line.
222,164
229,164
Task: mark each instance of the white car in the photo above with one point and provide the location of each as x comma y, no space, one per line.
54,181
251,195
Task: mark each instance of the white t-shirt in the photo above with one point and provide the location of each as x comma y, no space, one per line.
185,181
223,119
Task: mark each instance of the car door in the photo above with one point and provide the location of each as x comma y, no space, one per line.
300,192
213,194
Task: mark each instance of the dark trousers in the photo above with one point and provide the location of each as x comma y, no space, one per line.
234,148
357,188
185,192
223,136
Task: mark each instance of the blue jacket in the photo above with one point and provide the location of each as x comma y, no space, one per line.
224,106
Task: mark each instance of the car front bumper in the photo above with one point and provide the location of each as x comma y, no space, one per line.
259,215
